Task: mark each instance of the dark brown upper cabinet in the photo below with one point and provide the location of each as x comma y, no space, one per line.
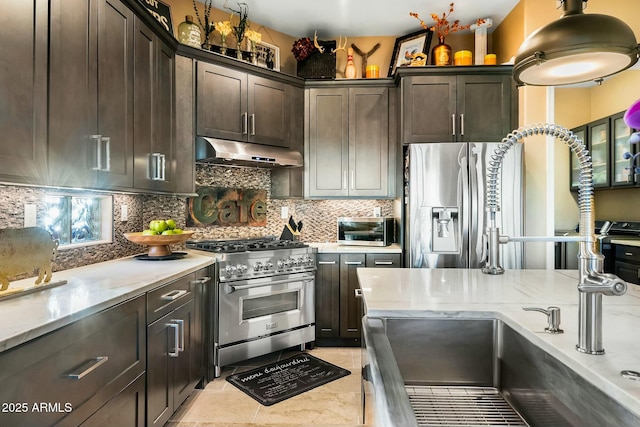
235,105
91,94
23,85
468,104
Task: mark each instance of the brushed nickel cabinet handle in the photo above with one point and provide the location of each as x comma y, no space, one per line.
453,124
176,338
173,295
98,140
358,293
462,124
202,280
93,365
326,262
353,262
180,323
245,118
383,262
252,122
107,152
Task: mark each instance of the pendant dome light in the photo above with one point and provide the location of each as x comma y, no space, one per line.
575,48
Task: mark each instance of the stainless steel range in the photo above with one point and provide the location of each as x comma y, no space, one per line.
264,298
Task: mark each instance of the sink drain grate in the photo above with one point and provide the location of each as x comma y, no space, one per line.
461,406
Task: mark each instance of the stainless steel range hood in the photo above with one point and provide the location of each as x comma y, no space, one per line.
232,153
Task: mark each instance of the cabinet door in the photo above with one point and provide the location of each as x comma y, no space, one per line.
350,305
428,109
115,94
154,162
184,374
91,96
23,85
485,111
368,142
125,409
268,112
620,167
221,102
169,367
328,148
328,296
599,150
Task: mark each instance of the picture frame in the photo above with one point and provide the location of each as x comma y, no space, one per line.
160,11
263,50
405,46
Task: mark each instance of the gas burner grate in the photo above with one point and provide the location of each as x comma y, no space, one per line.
461,406
243,245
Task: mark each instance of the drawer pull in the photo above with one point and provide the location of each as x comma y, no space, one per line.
353,262
628,253
384,262
202,280
176,338
173,295
95,363
326,262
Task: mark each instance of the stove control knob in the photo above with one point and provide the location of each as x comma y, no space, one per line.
241,268
230,270
286,263
257,266
268,265
280,264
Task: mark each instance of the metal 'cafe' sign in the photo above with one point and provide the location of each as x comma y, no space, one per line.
160,11
228,207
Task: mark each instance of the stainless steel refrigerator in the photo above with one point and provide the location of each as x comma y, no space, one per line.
444,204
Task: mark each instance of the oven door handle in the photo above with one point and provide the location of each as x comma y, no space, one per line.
232,288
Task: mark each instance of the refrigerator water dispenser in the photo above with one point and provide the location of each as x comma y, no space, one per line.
444,225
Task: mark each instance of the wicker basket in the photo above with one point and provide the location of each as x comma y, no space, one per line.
319,65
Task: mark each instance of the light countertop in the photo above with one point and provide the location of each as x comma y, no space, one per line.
460,293
333,248
628,242
89,289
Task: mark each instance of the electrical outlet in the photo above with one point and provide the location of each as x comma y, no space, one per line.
124,213
30,215
284,212
376,212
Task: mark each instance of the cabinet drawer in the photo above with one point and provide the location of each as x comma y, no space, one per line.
71,372
383,260
166,298
628,253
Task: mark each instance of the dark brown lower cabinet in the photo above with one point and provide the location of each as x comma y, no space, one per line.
338,309
126,409
66,377
169,367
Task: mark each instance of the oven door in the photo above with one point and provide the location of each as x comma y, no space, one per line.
253,308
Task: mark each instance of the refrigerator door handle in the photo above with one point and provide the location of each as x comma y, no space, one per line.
465,221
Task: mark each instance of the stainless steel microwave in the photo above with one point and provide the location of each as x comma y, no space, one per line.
366,231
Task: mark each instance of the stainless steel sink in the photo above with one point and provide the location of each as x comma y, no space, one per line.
437,372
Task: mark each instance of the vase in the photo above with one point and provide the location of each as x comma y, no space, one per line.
254,53
223,47
189,33
441,53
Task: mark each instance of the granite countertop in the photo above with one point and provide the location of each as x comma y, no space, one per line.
393,292
333,248
89,289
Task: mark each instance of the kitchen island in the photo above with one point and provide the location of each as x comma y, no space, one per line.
464,294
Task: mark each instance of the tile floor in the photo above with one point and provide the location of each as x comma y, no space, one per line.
220,404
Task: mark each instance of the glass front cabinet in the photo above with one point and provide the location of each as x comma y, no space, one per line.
621,152
607,140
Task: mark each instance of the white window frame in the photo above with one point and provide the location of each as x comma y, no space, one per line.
106,219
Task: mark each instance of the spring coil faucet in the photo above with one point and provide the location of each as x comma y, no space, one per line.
592,281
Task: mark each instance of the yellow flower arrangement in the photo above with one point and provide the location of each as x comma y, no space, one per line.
442,25
224,28
253,36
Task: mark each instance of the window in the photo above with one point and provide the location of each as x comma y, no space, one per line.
79,220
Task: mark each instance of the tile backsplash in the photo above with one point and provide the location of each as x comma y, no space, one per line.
318,216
